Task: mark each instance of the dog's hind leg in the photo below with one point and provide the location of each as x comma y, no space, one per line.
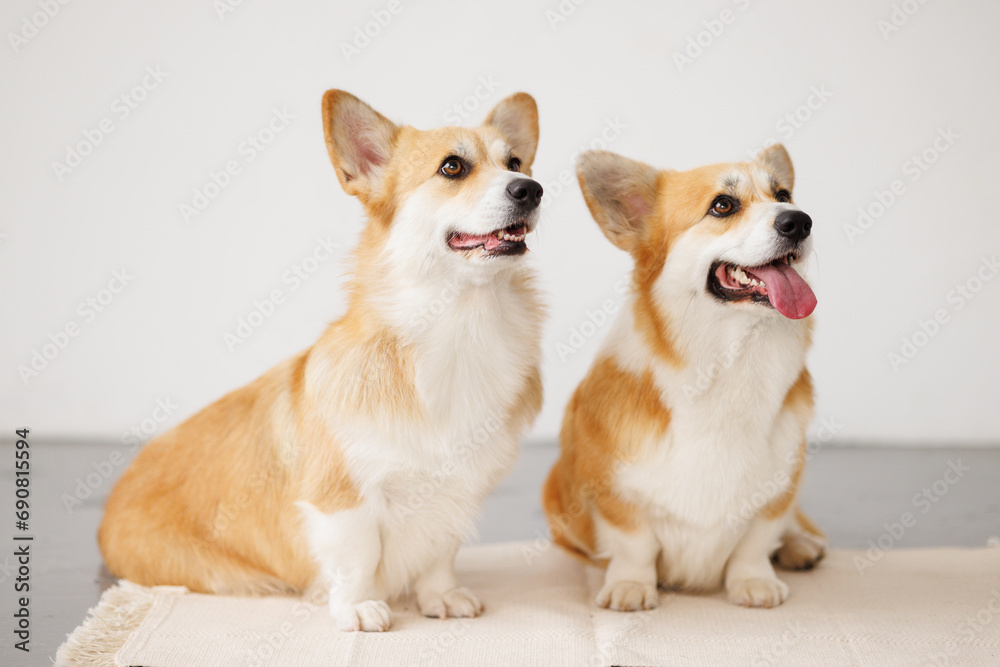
153,555
803,545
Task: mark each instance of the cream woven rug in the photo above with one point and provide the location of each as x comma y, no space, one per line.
924,607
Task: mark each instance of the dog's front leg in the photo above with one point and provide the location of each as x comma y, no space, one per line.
347,546
440,596
630,582
750,578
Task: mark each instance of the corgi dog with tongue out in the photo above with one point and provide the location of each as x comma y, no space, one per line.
683,447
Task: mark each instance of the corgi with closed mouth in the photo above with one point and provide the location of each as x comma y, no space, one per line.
682,449
355,469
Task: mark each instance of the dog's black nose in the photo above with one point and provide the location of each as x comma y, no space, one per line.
794,225
525,192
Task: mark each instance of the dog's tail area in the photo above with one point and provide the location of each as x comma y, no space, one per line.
569,518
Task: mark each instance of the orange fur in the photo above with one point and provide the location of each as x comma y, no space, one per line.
800,395
179,514
614,413
210,504
611,415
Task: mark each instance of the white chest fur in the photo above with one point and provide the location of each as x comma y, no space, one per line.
729,449
473,347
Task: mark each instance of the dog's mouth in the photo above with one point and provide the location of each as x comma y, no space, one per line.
505,241
775,284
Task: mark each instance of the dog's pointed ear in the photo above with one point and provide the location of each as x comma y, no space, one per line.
776,159
621,194
360,141
517,119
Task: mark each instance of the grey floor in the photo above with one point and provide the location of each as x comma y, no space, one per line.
854,494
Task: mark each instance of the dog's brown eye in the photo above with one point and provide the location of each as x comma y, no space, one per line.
452,167
514,164
784,196
723,206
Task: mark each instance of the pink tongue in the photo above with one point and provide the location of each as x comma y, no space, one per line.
488,241
786,290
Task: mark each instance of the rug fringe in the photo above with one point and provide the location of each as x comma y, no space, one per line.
107,627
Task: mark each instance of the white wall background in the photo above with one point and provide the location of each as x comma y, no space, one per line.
162,337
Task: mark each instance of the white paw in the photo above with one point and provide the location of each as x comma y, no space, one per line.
758,592
367,616
628,596
456,603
